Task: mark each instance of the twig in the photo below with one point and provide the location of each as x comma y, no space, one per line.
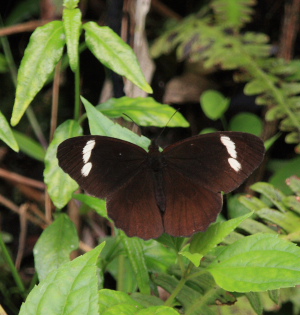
21,179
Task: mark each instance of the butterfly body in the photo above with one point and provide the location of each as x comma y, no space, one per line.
177,191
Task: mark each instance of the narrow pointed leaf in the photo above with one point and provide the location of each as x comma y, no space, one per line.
103,126
135,252
72,27
115,54
6,134
29,146
40,58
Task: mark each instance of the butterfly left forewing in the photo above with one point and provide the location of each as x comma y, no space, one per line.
219,161
100,165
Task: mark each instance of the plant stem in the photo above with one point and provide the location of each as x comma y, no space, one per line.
12,267
180,285
77,93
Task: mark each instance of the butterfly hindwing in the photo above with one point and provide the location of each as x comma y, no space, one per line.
190,208
134,209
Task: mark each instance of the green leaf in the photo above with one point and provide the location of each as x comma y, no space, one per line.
214,104
115,54
257,86
203,242
29,146
55,245
232,13
293,203
273,194
290,168
6,134
71,288
40,58
256,302
135,253
70,4
72,27
257,263
246,122
101,125
289,221
146,300
144,111
158,310
97,204
108,299
60,185
294,183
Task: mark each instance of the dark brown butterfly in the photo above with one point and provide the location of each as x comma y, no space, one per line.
176,191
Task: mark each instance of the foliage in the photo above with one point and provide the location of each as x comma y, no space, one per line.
274,82
249,260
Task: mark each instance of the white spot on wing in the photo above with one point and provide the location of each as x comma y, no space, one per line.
235,164
85,171
230,146
87,150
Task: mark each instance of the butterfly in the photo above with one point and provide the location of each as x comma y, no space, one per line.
177,191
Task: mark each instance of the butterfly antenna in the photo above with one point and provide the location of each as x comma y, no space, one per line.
177,110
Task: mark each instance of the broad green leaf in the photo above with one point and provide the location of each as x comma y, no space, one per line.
72,27
135,253
29,146
55,245
110,298
144,111
60,185
246,122
214,104
158,310
97,204
71,289
6,134
121,309
101,125
115,54
40,58
203,242
257,263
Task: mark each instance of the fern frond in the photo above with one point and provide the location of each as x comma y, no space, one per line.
233,13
